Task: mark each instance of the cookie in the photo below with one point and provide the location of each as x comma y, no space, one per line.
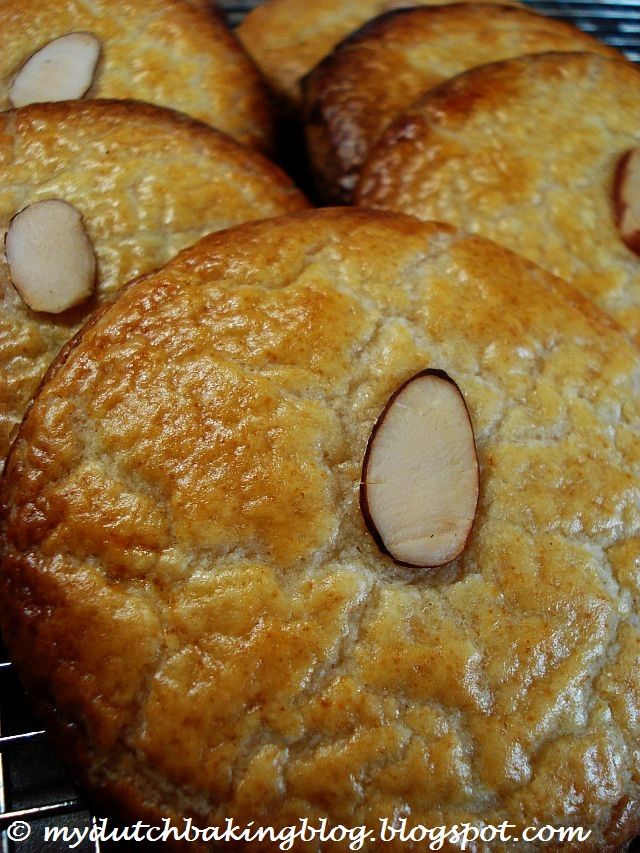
287,38
190,588
373,76
524,152
147,182
172,53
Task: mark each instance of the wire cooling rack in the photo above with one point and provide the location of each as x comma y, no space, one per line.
34,786
617,23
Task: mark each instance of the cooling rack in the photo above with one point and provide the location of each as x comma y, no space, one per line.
617,23
34,786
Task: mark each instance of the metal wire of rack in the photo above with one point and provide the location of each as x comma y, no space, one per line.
615,21
34,785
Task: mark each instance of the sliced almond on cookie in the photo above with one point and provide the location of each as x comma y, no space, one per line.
419,489
50,256
626,198
62,70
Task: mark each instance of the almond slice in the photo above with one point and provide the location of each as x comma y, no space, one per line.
62,70
51,258
626,199
419,489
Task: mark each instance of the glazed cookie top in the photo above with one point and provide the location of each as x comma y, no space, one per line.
524,152
287,38
182,537
147,182
172,53
356,92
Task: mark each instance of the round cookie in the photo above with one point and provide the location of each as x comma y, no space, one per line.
524,152
357,91
172,53
189,588
287,38
147,181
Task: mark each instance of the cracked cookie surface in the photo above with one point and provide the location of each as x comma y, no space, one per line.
372,77
524,152
171,53
147,181
187,579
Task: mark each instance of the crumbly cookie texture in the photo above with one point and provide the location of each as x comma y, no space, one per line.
189,588
147,181
287,38
369,79
524,152
172,53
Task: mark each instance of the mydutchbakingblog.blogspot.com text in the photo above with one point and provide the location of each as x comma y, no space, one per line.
463,836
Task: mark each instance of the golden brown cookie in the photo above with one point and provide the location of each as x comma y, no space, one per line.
172,53
147,181
524,152
287,38
357,91
189,587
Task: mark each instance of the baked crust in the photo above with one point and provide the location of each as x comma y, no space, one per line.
187,579
373,76
287,38
524,152
172,53
147,181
